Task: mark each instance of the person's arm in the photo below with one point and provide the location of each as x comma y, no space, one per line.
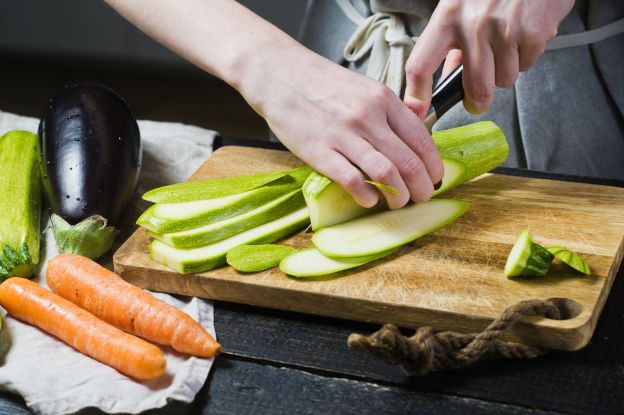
343,124
495,39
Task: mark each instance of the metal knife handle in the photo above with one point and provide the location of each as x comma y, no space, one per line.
448,93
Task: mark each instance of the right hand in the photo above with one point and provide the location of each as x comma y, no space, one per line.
346,126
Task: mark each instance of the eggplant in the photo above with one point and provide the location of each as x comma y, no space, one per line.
91,160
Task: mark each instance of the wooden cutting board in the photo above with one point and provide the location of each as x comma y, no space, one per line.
452,279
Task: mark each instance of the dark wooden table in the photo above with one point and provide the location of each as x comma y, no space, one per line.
278,362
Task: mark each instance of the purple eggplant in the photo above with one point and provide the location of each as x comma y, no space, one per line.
91,159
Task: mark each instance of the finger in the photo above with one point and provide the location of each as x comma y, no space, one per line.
479,76
335,166
529,51
453,60
378,168
506,63
430,49
413,133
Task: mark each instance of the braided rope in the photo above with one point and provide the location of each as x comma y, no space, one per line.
427,351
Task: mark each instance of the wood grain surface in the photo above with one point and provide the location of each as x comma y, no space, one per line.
451,279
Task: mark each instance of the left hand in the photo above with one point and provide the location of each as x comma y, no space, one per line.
495,39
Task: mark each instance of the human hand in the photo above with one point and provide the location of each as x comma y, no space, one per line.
345,125
495,39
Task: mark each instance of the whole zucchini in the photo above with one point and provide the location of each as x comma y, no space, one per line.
91,162
20,204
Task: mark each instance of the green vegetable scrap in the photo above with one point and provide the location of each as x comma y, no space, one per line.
529,259
255,258
570,258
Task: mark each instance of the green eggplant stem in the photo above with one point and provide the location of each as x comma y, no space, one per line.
91,237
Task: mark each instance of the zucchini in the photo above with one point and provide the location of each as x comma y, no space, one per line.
20,204
188,261
312,263
467,152
217,231
569,258
256,258
380,232
177,217
527,258
217,188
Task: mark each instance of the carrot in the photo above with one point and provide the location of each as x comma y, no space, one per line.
127,307
33,304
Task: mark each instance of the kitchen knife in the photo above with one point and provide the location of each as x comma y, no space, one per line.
448,93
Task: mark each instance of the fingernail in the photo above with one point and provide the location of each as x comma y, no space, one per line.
437,185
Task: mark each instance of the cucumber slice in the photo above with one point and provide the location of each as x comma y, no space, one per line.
569,258
217,231
386,230
20,204
188,261
312,263
218,188
467,152
527,258
255,258
176,217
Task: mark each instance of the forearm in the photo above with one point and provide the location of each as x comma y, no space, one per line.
220,36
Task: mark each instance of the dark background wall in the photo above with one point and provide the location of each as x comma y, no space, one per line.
47,43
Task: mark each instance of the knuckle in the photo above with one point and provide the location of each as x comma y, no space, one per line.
449,10
416,70
534,38
481,92
506,80
412,167
423,195
383,171
349,180
356,117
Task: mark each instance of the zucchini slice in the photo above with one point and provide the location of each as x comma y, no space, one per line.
217,231
256,258
188,261
218,188
380,232
527,258
312,263
176,217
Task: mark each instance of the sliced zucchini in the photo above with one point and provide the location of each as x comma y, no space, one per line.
175,217
187,261
312,263
256,258
328,203
380,232
217,231
570,258
527,258
218,188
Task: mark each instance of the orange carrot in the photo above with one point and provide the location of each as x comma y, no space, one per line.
33,304
132,309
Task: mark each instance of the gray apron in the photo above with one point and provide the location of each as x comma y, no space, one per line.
564,115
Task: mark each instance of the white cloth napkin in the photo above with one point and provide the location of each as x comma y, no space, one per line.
54,378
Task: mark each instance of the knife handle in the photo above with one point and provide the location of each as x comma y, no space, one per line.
445,95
